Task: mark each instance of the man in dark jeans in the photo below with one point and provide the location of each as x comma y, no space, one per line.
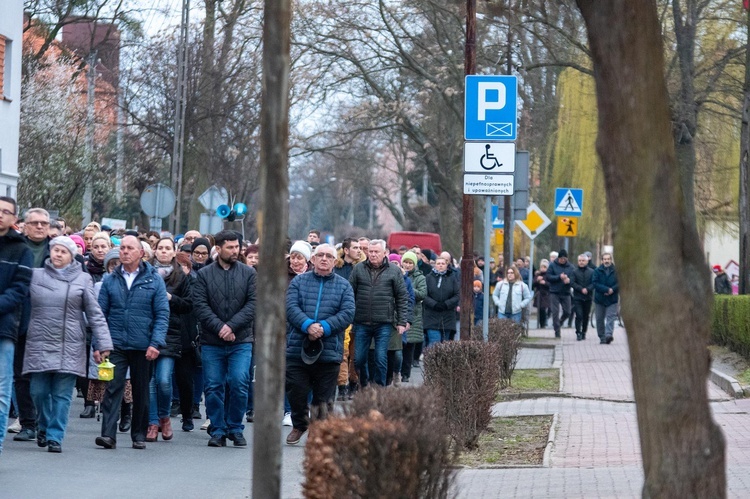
134,301
558,275
583,294
319,307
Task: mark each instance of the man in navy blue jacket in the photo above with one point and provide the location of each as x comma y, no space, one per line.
606,296
134,301
319,307
16,261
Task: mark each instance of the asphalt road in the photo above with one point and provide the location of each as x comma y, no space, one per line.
184,467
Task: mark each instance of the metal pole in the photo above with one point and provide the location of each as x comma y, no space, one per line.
531,281
487,232
88,193
178,145
467,215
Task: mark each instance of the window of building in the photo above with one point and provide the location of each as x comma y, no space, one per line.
6,50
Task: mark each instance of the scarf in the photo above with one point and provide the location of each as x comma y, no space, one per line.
93,267
164,269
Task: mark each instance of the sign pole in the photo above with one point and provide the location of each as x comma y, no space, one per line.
486,285
531,280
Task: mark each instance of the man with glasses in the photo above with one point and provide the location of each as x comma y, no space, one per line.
189,238
15,276
319,308
36,230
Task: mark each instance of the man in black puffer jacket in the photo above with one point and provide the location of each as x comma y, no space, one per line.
381,300
224,303
558,276
583,294
16,261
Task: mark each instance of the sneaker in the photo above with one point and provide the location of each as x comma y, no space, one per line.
174,411
217,441
25,435
608,339
187,424
197,412
295,436
249,416
41,438
15,426
415,363
287,421
404,379
54,447
397,379
238,439
205,425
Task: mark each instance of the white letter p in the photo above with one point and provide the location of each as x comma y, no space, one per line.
483,104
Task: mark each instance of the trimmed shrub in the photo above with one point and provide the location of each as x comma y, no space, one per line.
730,323
392,444
507,335
465,376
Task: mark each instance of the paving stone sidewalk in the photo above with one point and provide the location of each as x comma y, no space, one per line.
596,452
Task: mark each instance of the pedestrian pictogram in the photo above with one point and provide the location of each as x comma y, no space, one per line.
568,202
567,226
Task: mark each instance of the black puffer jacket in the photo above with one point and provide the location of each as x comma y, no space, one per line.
180,307
380,294
225,297
556,284
16,261
443,295
582,278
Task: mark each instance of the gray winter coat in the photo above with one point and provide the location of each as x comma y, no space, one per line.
56,339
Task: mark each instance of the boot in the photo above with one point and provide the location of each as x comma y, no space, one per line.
342,393
166,428
152,433
579,336
88,412
126,417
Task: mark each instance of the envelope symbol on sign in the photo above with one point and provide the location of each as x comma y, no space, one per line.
499,129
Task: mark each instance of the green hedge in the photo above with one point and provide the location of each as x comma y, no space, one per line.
730,323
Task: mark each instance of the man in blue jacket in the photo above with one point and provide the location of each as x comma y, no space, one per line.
606,296
319,307
16,261
559,274
134,301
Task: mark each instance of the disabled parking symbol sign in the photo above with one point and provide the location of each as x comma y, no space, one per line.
490,108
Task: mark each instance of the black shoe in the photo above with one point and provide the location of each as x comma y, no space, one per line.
174,411
139,444
583,336
54,447
404,379
602,342
342,393
41,438
238,439
557,335
187,424
218,441
126,421
249,416
415,363
197,412
106,442
88,412
608,339
25,435
578,337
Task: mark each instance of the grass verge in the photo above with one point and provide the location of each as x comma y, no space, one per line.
511,441
533,380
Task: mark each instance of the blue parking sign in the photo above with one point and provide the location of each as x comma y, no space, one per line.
490,108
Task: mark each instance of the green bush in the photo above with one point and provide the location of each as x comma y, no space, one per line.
730,323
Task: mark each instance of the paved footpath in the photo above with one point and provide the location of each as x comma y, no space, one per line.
596,451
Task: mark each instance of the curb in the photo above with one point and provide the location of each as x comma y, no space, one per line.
550,442
727,383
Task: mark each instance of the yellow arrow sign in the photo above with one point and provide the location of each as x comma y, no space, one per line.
567,226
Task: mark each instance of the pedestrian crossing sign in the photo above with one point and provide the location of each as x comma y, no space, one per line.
567,226
568,202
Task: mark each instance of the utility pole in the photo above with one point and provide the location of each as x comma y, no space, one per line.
274,186
467,262
88,193
178,147
745,174
508,218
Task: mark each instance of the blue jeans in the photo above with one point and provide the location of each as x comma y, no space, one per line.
160,390
434,336
7,347
514,317
226,368
364,334
52,393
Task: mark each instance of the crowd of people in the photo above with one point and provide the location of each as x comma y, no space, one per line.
175,316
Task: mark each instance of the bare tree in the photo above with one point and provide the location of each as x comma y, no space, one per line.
668,329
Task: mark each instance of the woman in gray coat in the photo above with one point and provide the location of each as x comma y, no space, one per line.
61,293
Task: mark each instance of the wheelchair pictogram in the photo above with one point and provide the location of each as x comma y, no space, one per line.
490,158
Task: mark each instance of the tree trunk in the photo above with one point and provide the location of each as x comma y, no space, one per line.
271,317
745,174
655,240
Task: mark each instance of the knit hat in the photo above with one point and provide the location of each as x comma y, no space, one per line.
716,268
66,242
200,241
113,254
303,248
477,282
394,257
562,254
77,240
409,255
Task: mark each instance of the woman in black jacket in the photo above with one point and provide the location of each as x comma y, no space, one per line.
180,303
443,291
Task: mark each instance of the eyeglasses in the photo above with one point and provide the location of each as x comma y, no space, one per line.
38,224
326,255
200,253
7,213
